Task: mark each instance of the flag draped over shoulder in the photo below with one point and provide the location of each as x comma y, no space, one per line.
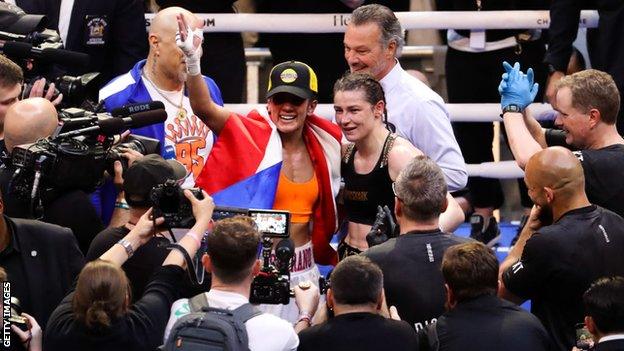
243,169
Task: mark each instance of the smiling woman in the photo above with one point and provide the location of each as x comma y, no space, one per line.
371,161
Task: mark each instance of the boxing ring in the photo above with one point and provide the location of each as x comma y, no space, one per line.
332,23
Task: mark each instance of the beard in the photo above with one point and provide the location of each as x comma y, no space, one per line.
182,75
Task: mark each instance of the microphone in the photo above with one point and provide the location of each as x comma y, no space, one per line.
145,118
129,109
116,125
285,250
59,56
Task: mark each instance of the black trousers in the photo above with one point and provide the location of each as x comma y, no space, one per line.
224,61
474,78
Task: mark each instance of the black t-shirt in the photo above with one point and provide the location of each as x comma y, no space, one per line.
560,261
413,282
489,323
602,169
360,331
599,166
71,208
140,267
141,328
146,260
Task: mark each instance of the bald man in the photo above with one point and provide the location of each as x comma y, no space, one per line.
162,77
566,245
29,120
25,122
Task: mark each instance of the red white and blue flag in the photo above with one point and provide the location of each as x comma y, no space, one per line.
244,165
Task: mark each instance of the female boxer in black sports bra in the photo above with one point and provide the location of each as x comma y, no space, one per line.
371,160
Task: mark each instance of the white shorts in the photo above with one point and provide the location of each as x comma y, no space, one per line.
302,269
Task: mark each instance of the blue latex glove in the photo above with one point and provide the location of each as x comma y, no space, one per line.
516,87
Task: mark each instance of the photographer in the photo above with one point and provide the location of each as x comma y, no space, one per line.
98,315
11,80
232,258
26,122
356,298
138,180
411,263
587,105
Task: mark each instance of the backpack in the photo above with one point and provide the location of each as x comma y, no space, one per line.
209,328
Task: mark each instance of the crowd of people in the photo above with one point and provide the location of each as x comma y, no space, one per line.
101,269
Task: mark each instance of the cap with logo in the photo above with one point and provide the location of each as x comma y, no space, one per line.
14,20
147,172
293,77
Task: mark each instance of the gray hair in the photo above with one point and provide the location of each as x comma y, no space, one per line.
386,20
422,189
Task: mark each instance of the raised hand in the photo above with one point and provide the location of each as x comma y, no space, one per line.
516,87
189,41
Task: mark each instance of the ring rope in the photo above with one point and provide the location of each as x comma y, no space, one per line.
337,22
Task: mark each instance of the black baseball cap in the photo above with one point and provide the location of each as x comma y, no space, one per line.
293,77
14,20
147,172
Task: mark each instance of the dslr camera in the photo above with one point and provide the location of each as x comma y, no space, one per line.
16,317
383,228
168,201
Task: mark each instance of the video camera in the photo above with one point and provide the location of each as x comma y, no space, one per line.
39,51
76,155
77,91
272,285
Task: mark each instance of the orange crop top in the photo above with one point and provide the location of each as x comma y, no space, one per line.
298,198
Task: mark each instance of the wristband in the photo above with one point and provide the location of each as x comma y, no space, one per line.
304,317
127,246
192,235
122,204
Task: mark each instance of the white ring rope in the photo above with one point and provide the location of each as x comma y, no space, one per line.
497,170
336,22
458,113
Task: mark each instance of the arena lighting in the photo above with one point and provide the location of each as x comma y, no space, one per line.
336,22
